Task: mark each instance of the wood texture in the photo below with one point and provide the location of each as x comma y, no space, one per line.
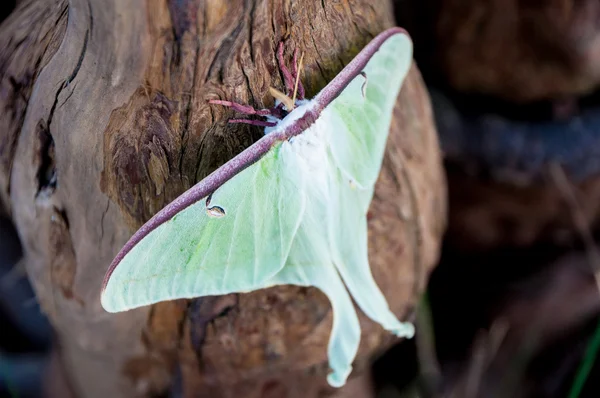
118,125
27,41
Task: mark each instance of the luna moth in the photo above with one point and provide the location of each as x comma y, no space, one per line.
290,209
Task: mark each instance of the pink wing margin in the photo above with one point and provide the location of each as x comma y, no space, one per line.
254,152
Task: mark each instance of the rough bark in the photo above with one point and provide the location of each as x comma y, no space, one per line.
118,125
27,41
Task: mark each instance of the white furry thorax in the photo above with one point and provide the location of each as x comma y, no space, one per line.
295,114
310,146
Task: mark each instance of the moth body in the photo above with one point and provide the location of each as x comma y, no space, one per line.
302,106
291,209
310,153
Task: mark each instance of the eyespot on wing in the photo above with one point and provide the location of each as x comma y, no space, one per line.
215,212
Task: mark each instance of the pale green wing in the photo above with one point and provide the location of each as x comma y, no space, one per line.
360,119
360,116
201,252
356,126
309,264
349,251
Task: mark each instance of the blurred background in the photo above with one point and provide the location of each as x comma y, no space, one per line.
512,308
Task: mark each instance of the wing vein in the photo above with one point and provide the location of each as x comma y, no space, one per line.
255,232
234,232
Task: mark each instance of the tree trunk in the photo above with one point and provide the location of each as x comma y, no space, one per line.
117,125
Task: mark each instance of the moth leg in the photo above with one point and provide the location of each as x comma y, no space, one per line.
252,122
288,79
276,112
245,109
300,94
